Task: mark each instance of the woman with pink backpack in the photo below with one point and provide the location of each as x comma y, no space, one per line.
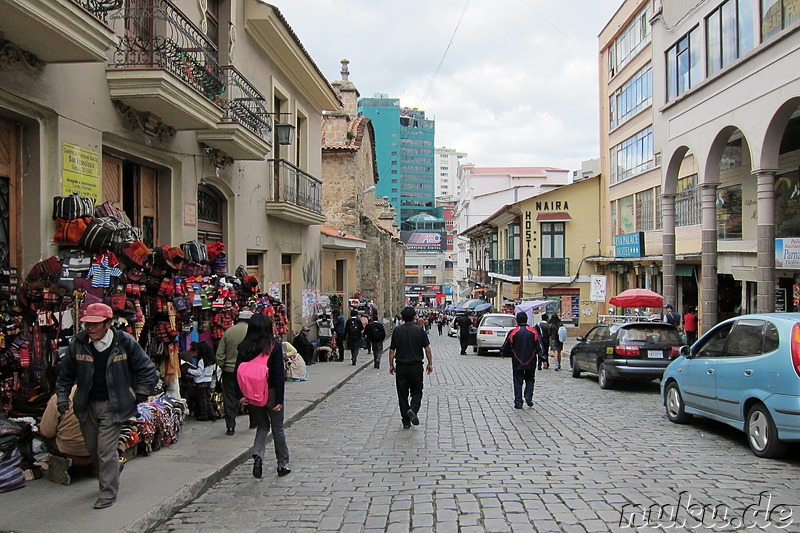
260,377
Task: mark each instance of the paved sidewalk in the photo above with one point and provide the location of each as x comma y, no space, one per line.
153,488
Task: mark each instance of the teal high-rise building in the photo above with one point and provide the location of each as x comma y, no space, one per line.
404,146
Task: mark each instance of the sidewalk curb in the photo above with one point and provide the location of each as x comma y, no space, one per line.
191,491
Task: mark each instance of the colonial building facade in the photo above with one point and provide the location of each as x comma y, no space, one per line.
171,112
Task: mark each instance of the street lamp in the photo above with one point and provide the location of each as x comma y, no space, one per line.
283,130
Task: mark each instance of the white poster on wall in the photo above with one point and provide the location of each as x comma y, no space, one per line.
598,293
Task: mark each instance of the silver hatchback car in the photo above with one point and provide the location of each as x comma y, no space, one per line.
492,331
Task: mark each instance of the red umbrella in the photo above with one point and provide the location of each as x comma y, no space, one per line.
638,298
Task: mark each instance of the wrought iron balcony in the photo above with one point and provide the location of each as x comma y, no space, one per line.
504,267
166,66
478,275
558,266
245,131
295,195
57,31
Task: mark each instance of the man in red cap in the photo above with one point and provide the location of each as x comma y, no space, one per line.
113,375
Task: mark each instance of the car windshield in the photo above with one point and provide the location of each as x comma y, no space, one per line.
649,333
499,321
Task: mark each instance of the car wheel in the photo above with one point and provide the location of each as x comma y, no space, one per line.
762,435
576,372
673,403
602,377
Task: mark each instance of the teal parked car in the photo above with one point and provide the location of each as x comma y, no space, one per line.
745,372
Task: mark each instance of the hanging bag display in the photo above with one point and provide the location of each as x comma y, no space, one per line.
69,232
195,251
72,206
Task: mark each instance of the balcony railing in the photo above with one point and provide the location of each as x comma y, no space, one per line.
159,35
505,267
100,8
244,104
290,184
558,266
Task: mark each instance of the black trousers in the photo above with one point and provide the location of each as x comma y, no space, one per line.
464,343
229,399
409,384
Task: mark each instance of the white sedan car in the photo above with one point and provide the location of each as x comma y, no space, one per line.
492,331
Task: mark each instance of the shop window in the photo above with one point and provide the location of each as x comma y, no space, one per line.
729,212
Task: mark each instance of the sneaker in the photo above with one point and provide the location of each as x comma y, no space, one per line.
517,407
406,425
230,431
530,404
283,471
257,467
412,416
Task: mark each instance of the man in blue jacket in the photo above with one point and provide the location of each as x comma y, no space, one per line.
113,375
524,347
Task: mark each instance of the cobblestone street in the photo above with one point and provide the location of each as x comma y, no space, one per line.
581,459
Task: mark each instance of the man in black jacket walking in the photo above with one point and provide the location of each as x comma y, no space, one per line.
464,325
523,345
409,342
375,334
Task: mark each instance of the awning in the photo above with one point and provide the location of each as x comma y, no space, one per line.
558,216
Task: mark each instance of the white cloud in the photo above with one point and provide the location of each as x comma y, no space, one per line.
513,90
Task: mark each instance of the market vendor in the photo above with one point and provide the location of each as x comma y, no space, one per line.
113,374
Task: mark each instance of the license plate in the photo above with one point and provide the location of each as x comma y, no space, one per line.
655,354
501,333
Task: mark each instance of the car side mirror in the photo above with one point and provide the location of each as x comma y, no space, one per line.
580,339
686,351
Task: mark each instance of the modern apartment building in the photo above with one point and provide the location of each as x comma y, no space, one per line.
447,161
699,121
405,154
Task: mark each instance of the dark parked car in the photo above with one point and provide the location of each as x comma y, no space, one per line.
626,350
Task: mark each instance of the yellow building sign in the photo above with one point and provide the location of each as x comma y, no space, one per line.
80,171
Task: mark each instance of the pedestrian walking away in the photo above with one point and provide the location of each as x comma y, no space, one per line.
354,332
671,317
227,352
543,329
523,345
375,334
690,325
260,341
409,343
558,334
338,329
113,375
464,323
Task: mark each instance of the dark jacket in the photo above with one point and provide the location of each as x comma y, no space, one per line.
353,329
303,346
464,324
522,344
375,332
129,372
276,380
338,325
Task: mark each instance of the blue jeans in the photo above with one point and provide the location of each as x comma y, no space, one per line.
523,376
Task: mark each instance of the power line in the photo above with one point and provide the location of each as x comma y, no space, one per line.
579,45
441,62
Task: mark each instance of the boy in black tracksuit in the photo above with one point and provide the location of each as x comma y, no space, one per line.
523,345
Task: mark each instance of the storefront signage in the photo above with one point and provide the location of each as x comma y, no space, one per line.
528,235
553,206
80,171
629,245
787,254
780,300
423,240
420,289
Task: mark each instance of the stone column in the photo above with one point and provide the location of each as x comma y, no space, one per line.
668,248
765,195
709,300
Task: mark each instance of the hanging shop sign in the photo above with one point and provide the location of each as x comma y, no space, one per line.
787,254
80,171
629,245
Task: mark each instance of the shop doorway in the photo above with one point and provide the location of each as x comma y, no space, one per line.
730,296
10,252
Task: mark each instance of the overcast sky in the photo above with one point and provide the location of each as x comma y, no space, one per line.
518,86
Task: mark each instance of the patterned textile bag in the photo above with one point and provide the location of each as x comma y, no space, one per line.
195,251
72,206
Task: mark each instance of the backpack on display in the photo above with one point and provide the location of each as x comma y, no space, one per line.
253,377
